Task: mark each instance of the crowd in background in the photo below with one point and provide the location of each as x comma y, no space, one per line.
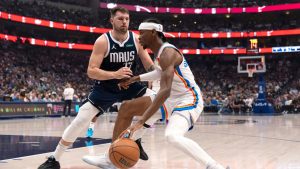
40,9
40,74
213,23
172,23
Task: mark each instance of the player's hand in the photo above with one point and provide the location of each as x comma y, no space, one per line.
122,73
124,84
139,124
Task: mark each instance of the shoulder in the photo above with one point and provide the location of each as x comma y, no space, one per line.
101,40
170,56
169,52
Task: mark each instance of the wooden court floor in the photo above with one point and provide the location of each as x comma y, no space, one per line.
242,142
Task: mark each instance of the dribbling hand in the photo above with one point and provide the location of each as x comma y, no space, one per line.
136,126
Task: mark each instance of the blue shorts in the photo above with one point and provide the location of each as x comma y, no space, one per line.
103,98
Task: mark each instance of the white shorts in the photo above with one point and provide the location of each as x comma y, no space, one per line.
182,105
184,108
162,113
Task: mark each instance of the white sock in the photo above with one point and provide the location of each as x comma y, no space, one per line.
92,125
177,127
59,151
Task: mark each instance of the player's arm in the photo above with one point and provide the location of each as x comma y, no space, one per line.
144,56
96,59
146,77
168,61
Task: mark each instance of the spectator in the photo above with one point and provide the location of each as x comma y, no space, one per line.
68,98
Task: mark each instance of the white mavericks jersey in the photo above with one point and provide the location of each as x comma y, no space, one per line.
185,93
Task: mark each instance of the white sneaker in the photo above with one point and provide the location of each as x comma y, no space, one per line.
101,161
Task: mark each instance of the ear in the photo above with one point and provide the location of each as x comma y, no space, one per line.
111,20
153,32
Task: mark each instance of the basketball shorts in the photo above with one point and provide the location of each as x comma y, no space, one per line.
184,107
103,99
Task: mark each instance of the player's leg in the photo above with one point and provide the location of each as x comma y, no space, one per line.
69,107
129,108
127,111
179,124
86,112
65,108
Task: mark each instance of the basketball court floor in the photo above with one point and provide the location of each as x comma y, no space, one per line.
242,142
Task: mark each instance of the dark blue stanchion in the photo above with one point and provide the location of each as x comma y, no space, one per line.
261,106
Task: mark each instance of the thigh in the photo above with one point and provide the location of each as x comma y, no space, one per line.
177,125
136,106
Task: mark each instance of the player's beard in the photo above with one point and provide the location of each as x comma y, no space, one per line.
121,30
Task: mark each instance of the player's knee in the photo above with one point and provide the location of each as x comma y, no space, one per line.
172,138
124,111
74,129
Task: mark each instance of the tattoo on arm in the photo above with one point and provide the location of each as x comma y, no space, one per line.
151,68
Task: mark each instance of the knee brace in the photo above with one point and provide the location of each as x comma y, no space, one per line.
86,113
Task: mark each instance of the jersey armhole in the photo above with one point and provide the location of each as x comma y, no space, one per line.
177,50
135,43
108,46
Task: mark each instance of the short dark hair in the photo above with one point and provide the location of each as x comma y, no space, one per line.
114,10
160,34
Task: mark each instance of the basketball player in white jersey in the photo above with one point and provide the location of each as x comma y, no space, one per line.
178,90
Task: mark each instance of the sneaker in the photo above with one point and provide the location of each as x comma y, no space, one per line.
143,154
90,133
51,163
101,161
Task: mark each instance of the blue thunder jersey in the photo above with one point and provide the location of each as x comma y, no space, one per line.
118,55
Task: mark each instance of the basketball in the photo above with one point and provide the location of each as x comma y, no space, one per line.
124,153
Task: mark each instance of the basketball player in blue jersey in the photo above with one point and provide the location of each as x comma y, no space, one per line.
178,91
113,58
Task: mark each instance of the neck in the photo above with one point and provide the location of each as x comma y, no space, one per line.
156,46
121,37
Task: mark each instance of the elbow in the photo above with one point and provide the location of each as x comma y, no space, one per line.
90,73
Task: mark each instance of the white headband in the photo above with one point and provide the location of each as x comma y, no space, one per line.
151,26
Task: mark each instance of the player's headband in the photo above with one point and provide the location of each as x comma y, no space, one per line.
151,26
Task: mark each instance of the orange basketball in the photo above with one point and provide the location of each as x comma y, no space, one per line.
124,153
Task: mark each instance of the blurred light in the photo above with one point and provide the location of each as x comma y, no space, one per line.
227,16
63,11
287,12
179,21
175,16
111,5
195,22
